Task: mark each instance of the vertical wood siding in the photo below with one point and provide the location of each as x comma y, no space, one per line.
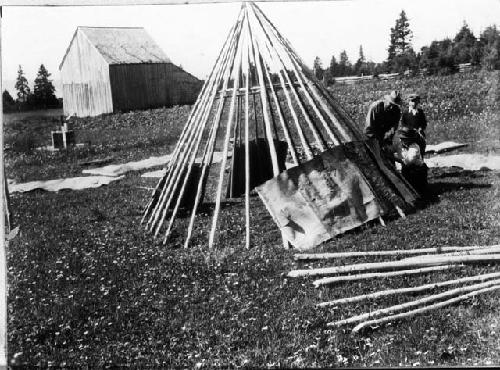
85,79
144,86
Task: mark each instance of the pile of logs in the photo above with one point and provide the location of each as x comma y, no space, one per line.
422,261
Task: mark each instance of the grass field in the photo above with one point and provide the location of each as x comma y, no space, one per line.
89,288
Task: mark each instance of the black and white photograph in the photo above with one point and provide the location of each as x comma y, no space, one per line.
209,184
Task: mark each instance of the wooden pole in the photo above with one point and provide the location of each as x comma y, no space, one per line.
171,186
283,123
437,261
280,66
412,304
257,57
210,146
418,311
237,68
267,123
395,252
3,236
295,58
247,149
188,126
421,288
475,251
377,275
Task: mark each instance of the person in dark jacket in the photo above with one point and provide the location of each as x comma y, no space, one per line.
382,120
413,124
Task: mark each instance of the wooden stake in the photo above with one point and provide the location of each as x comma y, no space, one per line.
437,261
418,311
376,275
411,304
236,67
421,288
395,252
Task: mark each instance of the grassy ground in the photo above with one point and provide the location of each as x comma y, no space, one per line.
88,287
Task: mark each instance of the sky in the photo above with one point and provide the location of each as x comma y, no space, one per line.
192,35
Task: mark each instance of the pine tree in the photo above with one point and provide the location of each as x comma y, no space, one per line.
400,40
345,66
318,68
464,45
360,65
22,87
44,89
334,67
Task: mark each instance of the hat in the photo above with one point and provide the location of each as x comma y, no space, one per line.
414,97
394,97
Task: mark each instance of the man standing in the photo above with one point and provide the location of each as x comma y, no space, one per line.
383,118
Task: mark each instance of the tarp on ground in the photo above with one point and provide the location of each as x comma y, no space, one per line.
341,189
73,183
151,162
472,162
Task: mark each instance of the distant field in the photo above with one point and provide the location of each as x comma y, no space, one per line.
88,287
34,114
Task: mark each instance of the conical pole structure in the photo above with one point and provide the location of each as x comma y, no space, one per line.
289,106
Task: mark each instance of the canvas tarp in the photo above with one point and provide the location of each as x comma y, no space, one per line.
338,190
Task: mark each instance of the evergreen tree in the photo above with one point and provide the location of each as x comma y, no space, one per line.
318,68
489,54
400,44
43,91
360,65
22,87
464,45
334,67
8,101
345,66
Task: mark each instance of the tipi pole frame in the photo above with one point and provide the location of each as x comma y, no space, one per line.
257,58
295,58
237,68
187,127
267,124
286,132
300,79
196,142
210,146
303,139
293,89
176,171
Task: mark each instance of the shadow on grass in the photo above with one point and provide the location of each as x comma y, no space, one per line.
439,188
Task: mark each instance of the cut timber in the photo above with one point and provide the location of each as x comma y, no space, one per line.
437,261
395,252
376,275
418,311
416,303
421,288
476,251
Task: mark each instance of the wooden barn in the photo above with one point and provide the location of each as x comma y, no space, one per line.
111,69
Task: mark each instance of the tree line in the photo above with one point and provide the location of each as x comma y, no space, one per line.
42,97
440,57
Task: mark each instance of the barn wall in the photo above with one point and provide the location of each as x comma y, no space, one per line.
85,80
143,86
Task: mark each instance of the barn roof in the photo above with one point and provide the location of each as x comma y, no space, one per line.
123,45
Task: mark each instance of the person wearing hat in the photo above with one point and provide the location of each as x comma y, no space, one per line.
413,124
411,142
382,119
